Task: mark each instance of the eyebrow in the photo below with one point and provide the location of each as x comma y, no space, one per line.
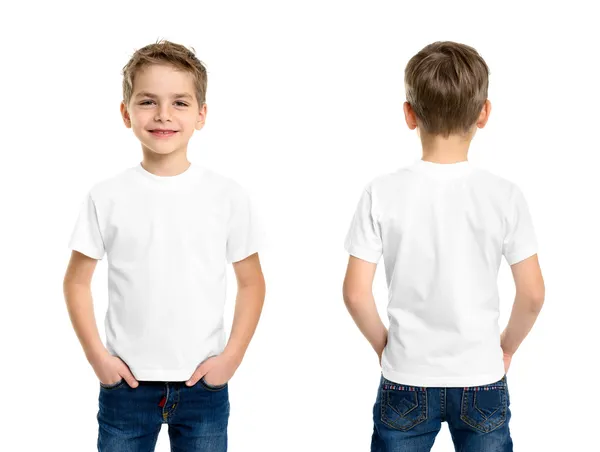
176,96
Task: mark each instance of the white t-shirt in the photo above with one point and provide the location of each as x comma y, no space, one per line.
442,230
168,240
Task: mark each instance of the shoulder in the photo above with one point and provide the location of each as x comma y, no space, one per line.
492,182
390,181
109,186
222,184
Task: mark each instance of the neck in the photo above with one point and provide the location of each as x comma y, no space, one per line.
171,164
452,149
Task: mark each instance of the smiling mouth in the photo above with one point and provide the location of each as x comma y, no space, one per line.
163,133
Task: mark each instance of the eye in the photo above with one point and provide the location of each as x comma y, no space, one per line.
145,102
183,104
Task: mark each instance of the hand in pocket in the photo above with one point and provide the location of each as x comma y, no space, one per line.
216,370
110,369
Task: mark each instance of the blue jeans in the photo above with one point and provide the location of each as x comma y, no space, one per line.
408,418
130,419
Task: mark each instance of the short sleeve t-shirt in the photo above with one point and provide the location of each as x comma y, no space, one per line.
167,240
442,230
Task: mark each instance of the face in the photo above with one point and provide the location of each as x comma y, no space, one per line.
163,99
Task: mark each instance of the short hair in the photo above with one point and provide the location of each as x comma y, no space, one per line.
165,52
446,85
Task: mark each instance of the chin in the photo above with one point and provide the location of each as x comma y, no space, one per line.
159,151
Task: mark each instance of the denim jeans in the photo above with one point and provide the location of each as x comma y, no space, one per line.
408,418
130,419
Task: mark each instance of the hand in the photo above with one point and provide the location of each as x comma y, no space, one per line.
216,370
110,369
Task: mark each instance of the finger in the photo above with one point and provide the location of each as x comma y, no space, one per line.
200,371
196,376
129,378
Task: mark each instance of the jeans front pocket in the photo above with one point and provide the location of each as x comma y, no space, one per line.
116,385
211,387
402,407
484,407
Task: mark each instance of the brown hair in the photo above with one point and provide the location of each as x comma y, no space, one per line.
446,86
165,52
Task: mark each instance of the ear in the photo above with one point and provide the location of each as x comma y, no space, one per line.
485,114
125,115
409,116
201,119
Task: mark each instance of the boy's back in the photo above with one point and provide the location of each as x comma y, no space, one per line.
442,230
442,227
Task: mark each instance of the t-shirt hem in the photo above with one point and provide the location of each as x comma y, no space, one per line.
362,253
87,251
241,255
462,381
162,375
518,257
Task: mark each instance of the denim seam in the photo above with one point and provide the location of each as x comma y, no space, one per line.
409,411
114,385
443,404
467,420
418,420
212,388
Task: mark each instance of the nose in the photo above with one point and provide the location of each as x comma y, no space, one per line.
164,113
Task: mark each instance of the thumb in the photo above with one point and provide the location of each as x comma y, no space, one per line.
200,371
129,378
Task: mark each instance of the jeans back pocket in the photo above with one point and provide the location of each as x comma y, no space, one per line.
484,407
402,406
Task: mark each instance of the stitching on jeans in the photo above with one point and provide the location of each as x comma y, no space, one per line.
482,413
114,385
422,404
395,411
477,426
212,388
443,403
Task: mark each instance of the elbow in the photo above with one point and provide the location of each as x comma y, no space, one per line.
537,302
534,299
352,297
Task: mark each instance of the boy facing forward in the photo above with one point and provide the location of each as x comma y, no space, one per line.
442,227
168,228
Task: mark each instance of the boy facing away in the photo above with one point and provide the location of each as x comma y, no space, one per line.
442,227
168,229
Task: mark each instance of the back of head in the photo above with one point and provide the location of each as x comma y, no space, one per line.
446,86
166,53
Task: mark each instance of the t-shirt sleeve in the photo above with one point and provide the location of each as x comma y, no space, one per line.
520,241
363,239
244,236
86,236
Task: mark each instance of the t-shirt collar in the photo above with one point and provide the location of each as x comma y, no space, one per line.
178,180
443,170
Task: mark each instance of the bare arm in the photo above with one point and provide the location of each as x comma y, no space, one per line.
248,305
529,299
359,300
78,296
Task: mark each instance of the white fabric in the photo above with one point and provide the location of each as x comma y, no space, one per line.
442,230
168,240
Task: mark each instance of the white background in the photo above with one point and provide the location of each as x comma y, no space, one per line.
304,108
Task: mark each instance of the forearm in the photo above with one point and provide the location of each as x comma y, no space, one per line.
524,314
364,312
248,307
79,302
